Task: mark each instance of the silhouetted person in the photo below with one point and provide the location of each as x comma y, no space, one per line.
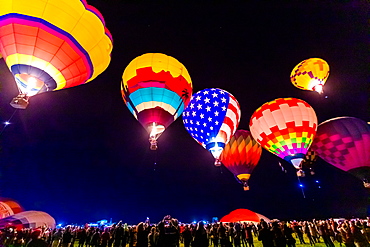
265,235
200,236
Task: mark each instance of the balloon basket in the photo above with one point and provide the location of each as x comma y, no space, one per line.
153,143
217,163
153,147
20,102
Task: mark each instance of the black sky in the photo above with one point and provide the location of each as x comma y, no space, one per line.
80,155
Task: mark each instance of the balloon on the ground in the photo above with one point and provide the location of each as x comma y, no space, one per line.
344,142
211,118
310,74
241,155
286,127
9,207
28,219
244,215
51,45
156,89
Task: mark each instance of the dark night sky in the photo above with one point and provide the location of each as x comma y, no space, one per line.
79,155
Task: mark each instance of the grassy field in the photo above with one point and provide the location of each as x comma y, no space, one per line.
259,244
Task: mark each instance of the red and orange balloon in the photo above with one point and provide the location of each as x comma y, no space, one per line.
241,155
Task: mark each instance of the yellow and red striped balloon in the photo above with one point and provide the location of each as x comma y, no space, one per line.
53,44
241,155
156,89
286,127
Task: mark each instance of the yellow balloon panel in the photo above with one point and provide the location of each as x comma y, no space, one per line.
310,74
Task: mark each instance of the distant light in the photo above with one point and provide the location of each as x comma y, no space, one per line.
301,185
317,181
326,97
319,187
7,123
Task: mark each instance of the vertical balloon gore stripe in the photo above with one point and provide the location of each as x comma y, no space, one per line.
46,42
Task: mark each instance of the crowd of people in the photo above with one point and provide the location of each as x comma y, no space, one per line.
170,233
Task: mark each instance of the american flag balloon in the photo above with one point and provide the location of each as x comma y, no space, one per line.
286,127
212,118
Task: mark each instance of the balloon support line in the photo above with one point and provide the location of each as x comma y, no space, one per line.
8,122
301,185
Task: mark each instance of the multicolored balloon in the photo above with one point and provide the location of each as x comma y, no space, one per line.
46,51
241,155
9,207
286,127
211,118
156,88
344,142
310,74
28,219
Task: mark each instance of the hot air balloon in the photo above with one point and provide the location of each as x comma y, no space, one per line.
244,215
9,207
344,142
241,155
286,127
156,88
211,118
28,219
310,74
51,45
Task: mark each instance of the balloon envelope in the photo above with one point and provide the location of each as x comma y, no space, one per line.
46,51
9,207
211,118
310,74
156,88
241,155
240,215
286,127
28,219
344,142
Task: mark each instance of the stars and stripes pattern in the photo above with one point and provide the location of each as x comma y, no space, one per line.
212,117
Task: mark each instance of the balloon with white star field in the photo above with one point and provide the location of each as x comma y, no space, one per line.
212,118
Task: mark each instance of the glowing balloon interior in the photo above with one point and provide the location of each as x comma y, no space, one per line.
156,88
211,118
46,51
241,155
310,74
286,127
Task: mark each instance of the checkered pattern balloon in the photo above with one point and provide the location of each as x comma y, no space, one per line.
241,154
343,142
309,73
310,158
211,118
286,127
